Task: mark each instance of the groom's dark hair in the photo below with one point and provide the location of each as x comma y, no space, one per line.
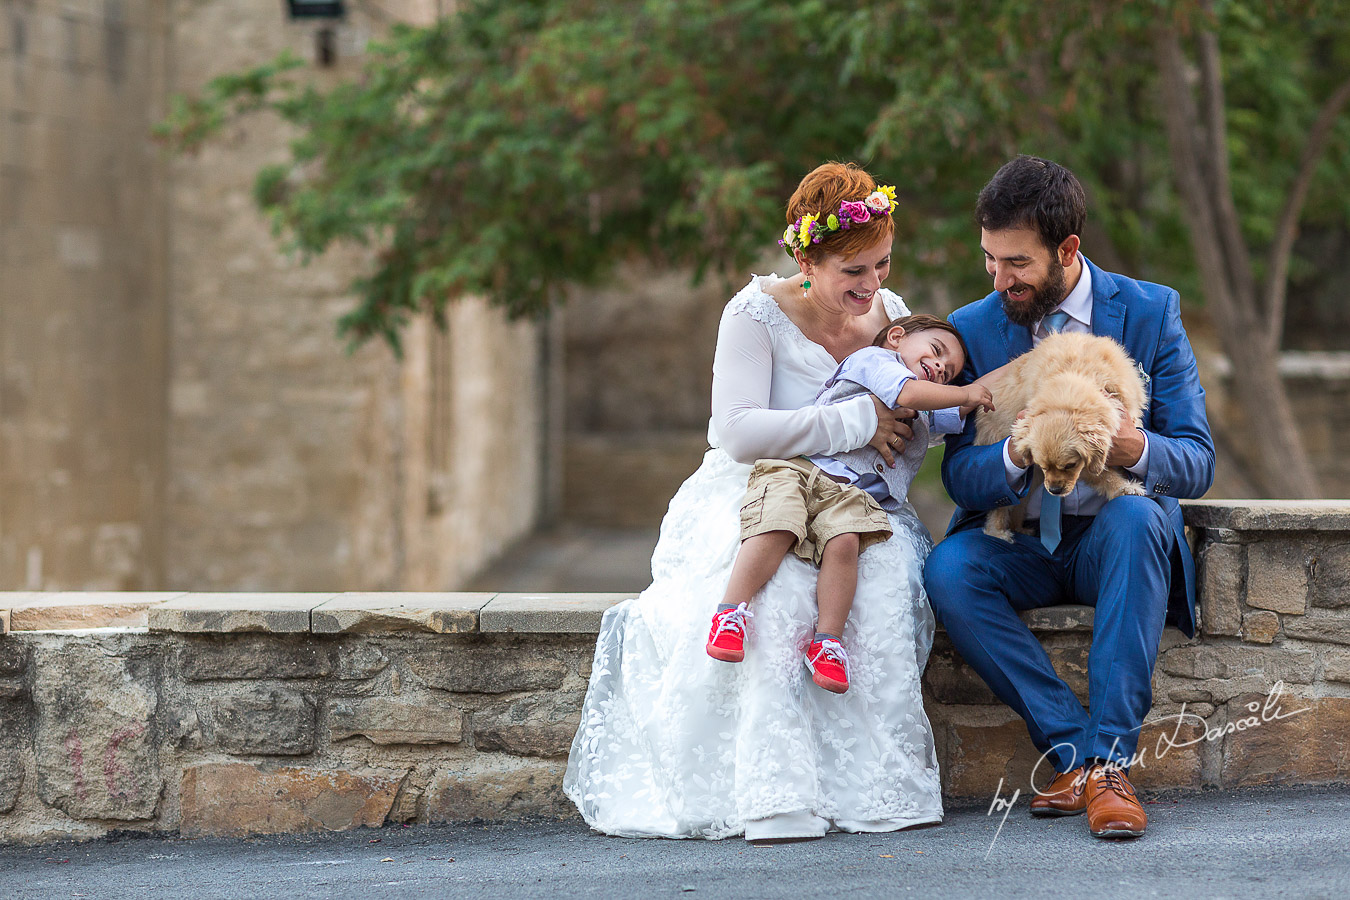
1037,193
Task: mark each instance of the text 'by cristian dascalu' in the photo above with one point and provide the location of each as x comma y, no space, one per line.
1259,713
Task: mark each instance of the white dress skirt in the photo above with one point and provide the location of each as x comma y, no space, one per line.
673,743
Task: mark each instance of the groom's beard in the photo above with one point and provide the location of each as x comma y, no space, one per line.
1043,299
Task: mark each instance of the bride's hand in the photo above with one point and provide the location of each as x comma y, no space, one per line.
893,430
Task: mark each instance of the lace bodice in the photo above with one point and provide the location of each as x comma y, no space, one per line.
766,374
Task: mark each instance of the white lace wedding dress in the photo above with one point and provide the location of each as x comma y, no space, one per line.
673,743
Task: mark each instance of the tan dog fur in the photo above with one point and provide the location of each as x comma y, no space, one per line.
1075,389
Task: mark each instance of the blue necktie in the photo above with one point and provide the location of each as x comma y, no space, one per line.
1050,532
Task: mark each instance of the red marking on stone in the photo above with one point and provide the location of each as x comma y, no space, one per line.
75,750
112,768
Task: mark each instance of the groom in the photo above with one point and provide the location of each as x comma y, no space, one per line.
1127,557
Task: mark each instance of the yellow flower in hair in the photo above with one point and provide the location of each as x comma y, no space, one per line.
805,230
889,191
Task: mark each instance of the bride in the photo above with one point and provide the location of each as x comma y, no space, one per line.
673,743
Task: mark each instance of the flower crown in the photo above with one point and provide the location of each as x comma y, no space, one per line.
811,229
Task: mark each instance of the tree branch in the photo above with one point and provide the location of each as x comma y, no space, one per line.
1236,255
1096,239
1275,445
1180,115
1277,268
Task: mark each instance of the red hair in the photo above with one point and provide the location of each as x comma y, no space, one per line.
820,194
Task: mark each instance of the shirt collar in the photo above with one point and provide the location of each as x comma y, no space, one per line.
1079,302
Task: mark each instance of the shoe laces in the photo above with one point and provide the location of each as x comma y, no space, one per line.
1111,777
733,620
832,649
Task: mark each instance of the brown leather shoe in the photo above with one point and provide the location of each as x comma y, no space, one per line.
1065,796
1113,809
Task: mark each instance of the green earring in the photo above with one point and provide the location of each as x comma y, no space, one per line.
806,286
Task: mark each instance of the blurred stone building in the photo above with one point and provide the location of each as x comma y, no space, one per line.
176,410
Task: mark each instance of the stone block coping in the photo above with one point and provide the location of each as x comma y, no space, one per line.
232,613
1269,515
308,613
547,613
67,610
382,612
356,613
1068,617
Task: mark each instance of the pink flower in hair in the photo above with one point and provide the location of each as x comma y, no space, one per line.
856,210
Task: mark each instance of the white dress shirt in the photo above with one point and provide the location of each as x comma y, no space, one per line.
1082,500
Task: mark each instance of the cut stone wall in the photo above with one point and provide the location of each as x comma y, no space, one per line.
83,299
242,713
178,411
209,714
292,464
639,357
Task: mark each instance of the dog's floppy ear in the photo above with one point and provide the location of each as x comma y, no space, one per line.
1118,405
1020,435
1113,397
1098,443
1099,431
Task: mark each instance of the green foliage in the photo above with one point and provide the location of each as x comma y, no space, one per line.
1077,81
516,146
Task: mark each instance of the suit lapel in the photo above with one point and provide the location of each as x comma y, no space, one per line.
1016,338
1108,313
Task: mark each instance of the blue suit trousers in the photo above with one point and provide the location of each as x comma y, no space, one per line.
1119,562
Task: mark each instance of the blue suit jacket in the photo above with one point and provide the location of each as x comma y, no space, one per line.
1146,319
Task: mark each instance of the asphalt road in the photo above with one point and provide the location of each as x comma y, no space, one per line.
1284,843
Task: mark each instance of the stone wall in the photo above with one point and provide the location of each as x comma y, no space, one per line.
639,374
178,411
233,714
238,713
83,297
1319,391
292,464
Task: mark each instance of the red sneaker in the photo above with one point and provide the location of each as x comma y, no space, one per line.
828,664
726,640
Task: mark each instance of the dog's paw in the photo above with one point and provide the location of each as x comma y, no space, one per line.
1003,534
1133,488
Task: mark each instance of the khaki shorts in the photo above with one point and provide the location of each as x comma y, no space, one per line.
797,496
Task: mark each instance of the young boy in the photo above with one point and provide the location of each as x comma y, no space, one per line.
829,509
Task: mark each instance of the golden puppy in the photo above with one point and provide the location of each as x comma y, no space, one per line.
1075,388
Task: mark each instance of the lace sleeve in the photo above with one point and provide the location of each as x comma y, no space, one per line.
745,425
